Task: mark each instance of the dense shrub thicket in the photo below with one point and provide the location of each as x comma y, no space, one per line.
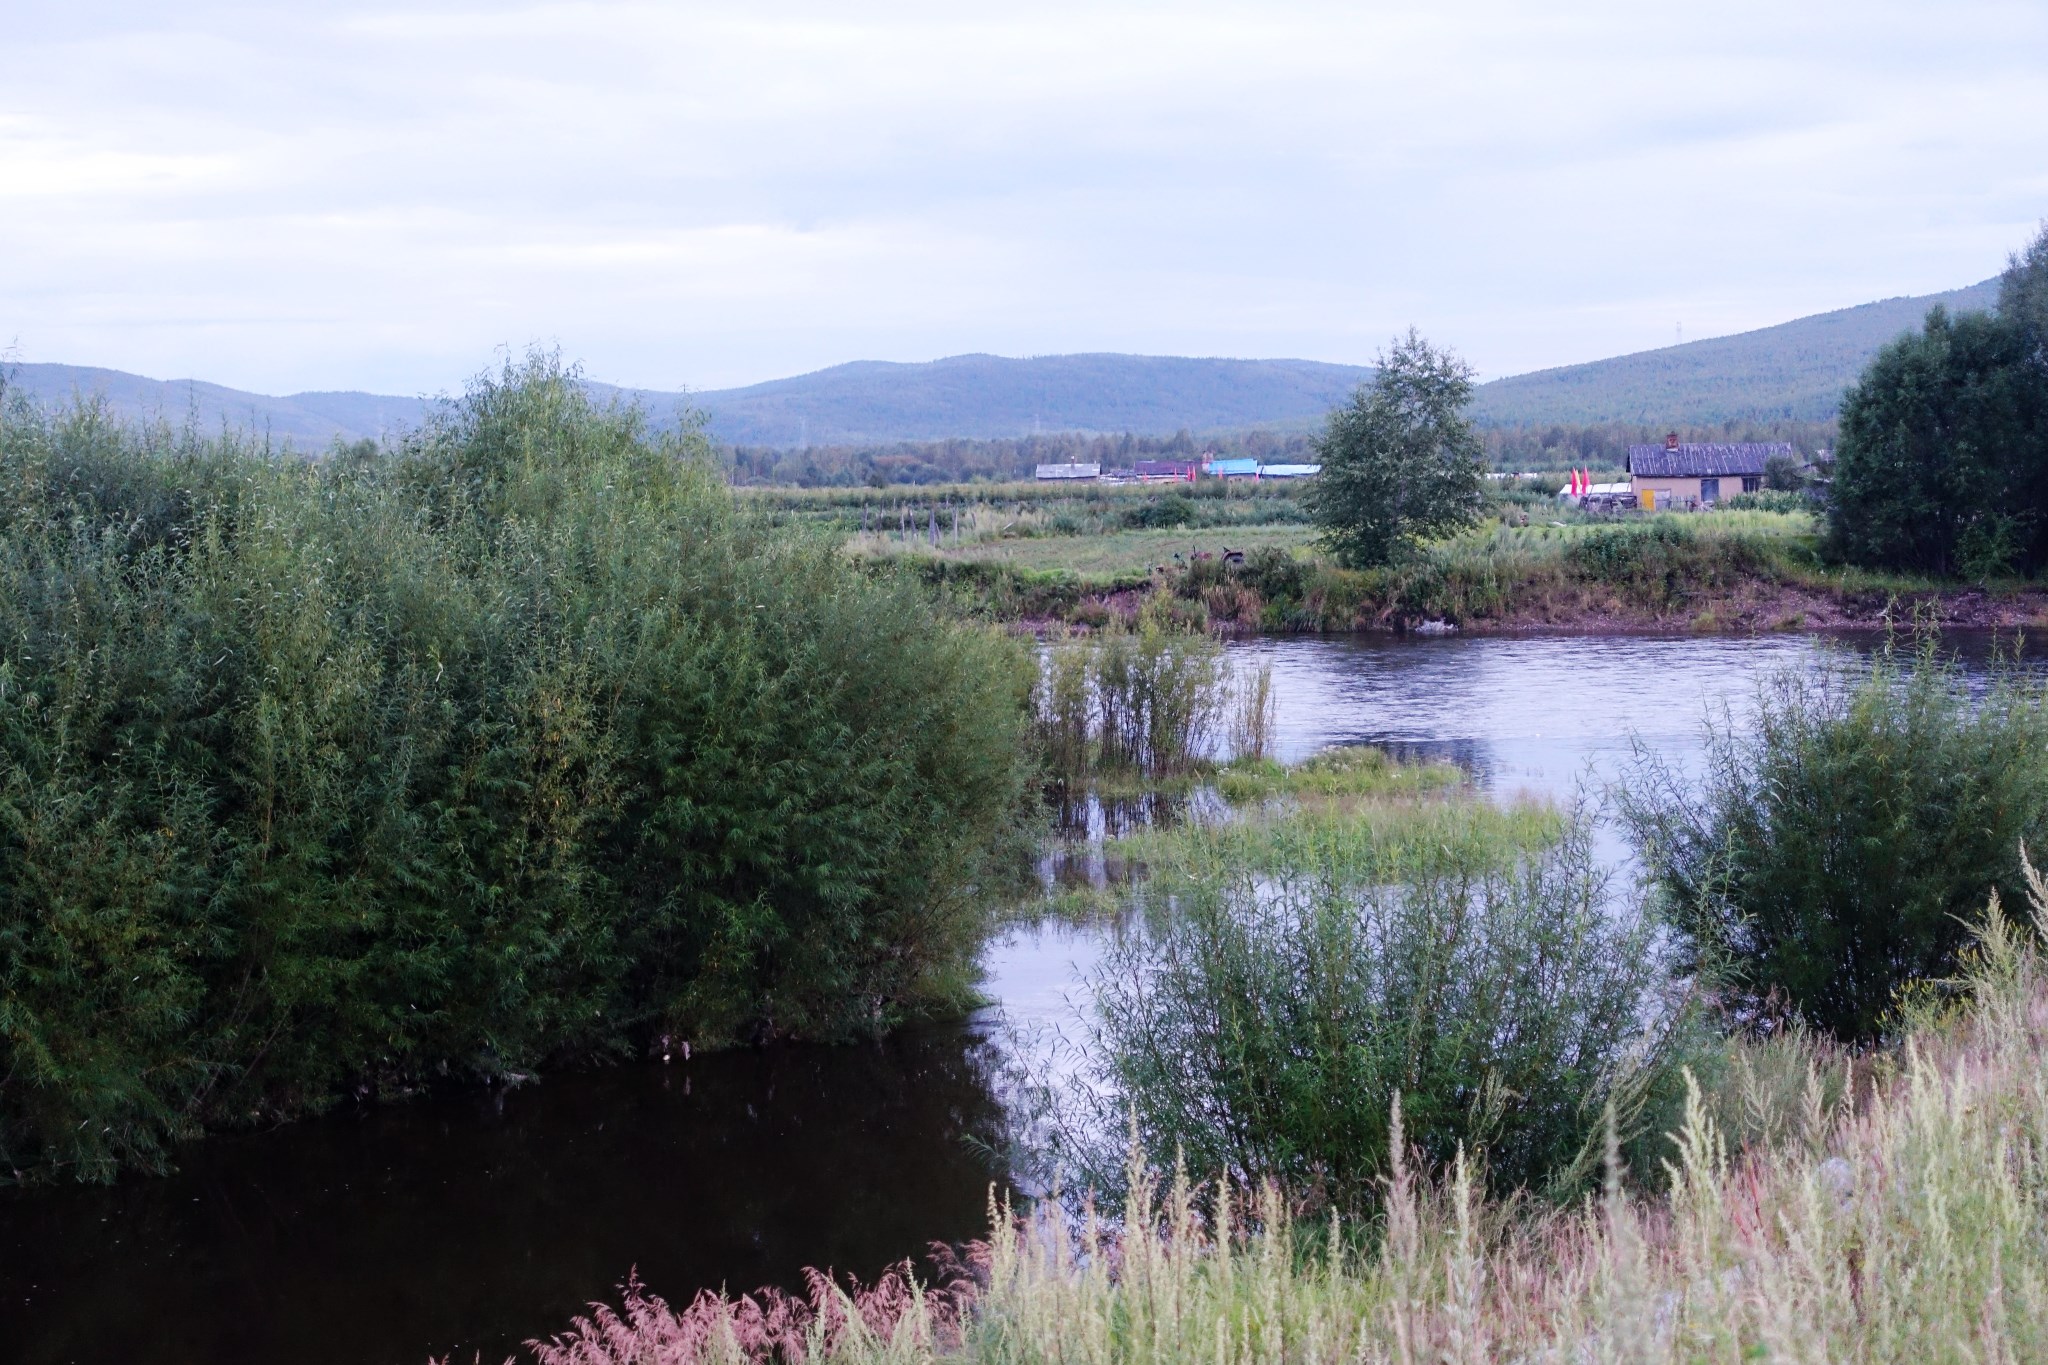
1832,855
515,744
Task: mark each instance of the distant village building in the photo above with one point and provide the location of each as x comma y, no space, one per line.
1167,471
1691,475
1289,471
1232,469
1068,473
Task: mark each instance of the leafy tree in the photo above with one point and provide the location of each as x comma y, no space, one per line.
1942,466
1401,463
1783,475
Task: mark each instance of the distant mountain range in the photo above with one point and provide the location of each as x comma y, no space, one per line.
1794,370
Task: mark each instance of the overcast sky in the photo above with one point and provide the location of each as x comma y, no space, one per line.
343,195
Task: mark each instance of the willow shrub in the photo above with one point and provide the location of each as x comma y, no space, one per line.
1834,852
1262,1022
516,744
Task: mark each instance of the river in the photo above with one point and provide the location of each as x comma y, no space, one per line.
466,1223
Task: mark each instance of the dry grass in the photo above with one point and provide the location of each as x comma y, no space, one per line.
1908,1225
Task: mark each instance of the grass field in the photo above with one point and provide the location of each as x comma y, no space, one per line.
1114,554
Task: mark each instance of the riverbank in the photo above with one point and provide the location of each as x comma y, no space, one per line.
1885,1209
1732,571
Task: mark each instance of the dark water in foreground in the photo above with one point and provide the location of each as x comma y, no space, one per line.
467,1223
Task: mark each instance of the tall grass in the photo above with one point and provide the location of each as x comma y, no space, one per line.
1902,1224
512,746
1149,702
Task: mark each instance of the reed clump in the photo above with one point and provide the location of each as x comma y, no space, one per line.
1147,703
1287,978
1898,1221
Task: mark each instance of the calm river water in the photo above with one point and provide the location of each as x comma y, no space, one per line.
467,1223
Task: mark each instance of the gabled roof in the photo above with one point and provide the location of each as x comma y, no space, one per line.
1703,460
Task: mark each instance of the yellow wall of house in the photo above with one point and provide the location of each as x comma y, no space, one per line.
1679,492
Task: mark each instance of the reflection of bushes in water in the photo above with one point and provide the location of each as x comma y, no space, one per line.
1114,814
1831,852
1263,1025
1146,702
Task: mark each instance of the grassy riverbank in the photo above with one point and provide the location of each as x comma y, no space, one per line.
1887,1212
1727,570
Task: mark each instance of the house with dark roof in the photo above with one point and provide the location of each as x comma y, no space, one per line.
1690,475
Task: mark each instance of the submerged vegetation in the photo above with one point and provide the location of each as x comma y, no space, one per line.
516,744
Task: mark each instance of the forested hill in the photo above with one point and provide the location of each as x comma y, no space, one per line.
982,397
1796,370
305,420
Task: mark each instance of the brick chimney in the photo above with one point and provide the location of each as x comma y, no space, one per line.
1671,440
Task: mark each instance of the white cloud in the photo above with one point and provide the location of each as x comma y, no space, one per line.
285,197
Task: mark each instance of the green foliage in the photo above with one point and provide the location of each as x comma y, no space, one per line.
1831,856
512,746
1360,770
1401,463
1263,1026
1768,500
1783,474
1156,514
1943,461
1144,701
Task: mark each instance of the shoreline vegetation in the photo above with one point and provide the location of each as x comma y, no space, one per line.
1378,1070
1238,559
1825,1206
518,745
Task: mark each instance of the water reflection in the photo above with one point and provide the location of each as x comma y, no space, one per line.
458,1224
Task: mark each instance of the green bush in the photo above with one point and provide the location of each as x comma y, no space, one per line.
515,745
1158,514
1264,1021
1770,500
1833,854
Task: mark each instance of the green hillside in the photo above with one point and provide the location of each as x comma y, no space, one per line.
1794,371
305,420
983,397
